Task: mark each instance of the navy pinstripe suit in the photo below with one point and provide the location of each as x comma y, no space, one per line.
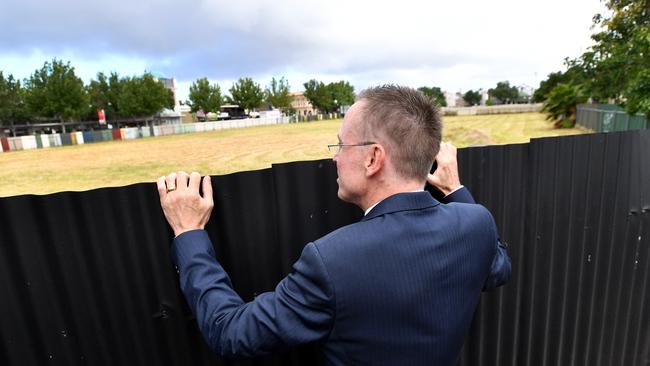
397,288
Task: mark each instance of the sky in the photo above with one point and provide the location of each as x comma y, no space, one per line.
456,45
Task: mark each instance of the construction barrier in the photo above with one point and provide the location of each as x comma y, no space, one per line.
39,141
609,118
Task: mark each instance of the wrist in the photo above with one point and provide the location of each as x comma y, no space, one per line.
185,230
451,189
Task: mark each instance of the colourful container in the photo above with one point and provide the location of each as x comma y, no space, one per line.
57,140
66,140
45,140
80,137
28,142
15,143
88,137
4,142
39,142
116,134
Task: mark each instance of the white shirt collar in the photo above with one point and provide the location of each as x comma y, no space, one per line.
376,203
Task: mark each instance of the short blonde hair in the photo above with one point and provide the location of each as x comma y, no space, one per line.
410,122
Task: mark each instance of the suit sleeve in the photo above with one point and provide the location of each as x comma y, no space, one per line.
500,270
460,195
300,310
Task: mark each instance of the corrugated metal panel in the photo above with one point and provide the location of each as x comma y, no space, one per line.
86,277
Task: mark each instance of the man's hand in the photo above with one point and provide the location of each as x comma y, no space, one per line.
445,178
181,202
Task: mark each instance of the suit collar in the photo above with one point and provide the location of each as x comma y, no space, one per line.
402,202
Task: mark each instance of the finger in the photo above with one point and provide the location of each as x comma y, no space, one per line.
207,189
171,182
162,189
181,181
195,181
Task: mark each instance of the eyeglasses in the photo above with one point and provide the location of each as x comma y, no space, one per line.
337,147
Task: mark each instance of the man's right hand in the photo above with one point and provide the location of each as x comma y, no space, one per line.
184,208
445,178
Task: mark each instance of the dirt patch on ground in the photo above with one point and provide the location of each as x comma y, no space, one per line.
476,138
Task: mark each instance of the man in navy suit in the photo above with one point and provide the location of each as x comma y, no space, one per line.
397,288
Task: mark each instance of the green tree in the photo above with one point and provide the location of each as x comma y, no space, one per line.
204,96
561,104
329,97
247,93
504,93
319,96
572,75
143,96
342,94
277,93
614,64
12,100
434,93
104,94
639,95
55,91
472,97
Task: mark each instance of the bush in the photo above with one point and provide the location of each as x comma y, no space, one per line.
561,104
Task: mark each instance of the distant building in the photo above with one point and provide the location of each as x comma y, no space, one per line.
172,115
301,104
484,97
450,98
169,83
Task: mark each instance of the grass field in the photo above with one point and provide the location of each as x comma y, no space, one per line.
117,163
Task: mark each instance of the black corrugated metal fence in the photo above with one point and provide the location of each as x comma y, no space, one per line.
86,279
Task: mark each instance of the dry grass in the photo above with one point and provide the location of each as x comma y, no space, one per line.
118,163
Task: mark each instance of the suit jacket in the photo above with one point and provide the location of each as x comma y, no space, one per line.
397,288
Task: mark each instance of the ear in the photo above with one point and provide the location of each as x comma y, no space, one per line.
375,160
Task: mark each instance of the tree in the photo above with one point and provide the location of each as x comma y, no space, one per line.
319,96
103,94
12,100
277,93
614,64
504,93
434,93
143,96
55,91
572,75
561,104
472,97
204,96
329,97
342,94
247,93
639,95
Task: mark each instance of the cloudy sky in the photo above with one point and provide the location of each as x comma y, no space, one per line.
457,45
